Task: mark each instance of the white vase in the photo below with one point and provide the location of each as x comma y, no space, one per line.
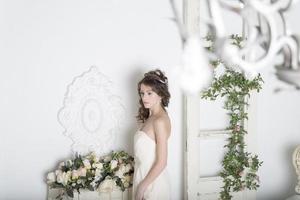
54,192
116,194
86,195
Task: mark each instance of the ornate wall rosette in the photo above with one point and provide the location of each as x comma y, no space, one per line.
91,115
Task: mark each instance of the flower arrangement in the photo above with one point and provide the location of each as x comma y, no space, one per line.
92,172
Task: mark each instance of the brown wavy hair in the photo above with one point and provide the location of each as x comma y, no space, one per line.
157,80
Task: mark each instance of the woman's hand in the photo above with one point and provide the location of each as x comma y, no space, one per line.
140,192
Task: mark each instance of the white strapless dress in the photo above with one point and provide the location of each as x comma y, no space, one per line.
144,157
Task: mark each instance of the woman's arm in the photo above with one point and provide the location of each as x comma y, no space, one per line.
161,134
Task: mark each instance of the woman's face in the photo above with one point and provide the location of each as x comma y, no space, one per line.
149,97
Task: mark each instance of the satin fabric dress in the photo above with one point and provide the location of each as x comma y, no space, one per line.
144,156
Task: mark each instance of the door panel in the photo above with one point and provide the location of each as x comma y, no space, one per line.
205,150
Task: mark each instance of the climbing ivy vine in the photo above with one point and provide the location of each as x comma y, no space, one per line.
239,167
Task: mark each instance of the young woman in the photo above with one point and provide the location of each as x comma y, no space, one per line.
151,181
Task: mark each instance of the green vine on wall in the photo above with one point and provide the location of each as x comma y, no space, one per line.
239,166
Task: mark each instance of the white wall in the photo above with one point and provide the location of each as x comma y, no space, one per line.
278,130
44,45
278,135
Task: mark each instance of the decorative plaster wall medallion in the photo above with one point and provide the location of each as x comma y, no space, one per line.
91,115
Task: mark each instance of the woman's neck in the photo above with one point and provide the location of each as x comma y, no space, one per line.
156,111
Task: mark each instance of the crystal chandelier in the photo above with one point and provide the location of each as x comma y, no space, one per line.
267,32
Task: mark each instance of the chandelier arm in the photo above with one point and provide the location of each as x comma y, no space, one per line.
181,28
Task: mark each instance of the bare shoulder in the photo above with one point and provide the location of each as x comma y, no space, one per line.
162,125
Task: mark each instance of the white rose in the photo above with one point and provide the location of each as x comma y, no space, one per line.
75,174
98,172
66,177
59,176
126,181
121,171
126,184
63,177
93,184
69,163
51,177
98,165
107,158
61,165
113,164
58,172
119,174
87,164
82,171
94,157
127,178
107,185
128,167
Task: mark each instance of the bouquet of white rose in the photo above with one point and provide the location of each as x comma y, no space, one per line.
93,173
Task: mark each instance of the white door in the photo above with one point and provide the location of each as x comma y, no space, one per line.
205,124
205,134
